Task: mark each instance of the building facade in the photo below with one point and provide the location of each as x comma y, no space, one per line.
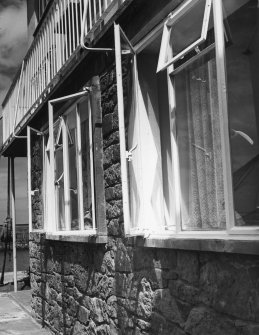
139,121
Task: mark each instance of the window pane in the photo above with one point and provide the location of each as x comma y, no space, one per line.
86,167
148,134
73,170
187,29
59,186
199,147
243,106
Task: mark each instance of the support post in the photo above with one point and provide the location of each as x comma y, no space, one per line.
14,224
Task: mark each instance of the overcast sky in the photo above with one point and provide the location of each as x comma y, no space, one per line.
13,46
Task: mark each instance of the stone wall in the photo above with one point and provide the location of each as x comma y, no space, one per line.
36,180
81,288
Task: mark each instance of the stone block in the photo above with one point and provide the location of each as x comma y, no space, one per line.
203,321
114,209
83,315
112,306
111,155
113,138
188,266
123,261
112,175
230,290
165,259
108,263
80,277
145,300
110,122
80,329
114,227
167,306
126,285
184,291
113,193
107,79
98,309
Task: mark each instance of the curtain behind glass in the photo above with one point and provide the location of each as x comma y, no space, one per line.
198,136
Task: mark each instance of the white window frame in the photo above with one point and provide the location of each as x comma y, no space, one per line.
232,231
174,17
52,227
118,35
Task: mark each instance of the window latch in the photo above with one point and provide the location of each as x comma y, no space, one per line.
58,180
129,153
34,192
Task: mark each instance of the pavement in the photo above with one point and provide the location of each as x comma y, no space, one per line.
8,276
15,315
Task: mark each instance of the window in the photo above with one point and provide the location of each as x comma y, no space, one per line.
191,147
74,168
147,152
71,183
185,30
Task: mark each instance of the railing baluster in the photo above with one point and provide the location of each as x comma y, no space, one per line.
44,59
60,45
77,26
48,53
90,14
36,70
29,83
100,8
66,31
95,19
62,11
55,42
69,28
53,46
73,26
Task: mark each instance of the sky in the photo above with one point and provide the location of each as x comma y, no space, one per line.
13,47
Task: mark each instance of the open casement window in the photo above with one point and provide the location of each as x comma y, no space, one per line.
75,172
35,149
142,160
184,32
197,135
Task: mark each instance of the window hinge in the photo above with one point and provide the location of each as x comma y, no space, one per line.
87,88
129,153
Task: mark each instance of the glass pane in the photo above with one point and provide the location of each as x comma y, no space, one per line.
187,29
59,186
36,180
148,133
243,107
73,170
210,39
199,147
86,167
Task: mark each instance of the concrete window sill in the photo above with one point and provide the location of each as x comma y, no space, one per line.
75,237
239,245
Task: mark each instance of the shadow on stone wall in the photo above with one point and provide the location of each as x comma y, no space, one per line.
91,289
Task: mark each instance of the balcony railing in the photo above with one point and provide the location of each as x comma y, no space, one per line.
55,42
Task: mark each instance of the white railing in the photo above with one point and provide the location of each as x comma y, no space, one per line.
55,42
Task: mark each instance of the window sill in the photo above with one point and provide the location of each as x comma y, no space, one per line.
77,237
227,244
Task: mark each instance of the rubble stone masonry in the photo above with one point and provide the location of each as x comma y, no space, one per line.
87,288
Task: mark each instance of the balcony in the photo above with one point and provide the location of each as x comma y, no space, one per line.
56,41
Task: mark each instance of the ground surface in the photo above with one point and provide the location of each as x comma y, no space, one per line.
15,318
